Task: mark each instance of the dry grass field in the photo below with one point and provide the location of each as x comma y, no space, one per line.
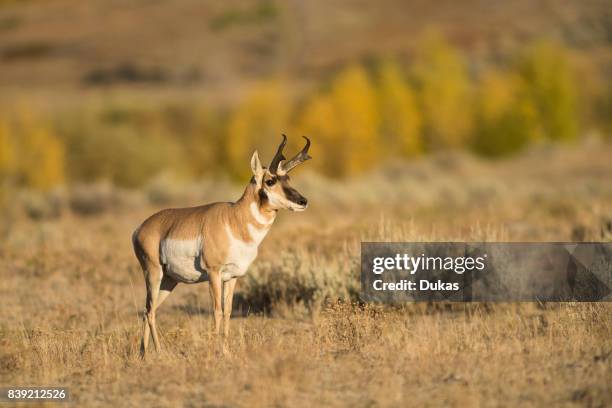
110,110
72,296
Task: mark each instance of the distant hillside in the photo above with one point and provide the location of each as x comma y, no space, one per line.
191,44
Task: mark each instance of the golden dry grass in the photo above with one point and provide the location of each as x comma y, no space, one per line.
72,294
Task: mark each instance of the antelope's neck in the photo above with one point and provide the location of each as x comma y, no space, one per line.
254,214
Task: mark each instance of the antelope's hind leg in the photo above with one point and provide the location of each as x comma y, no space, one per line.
159,286
166,286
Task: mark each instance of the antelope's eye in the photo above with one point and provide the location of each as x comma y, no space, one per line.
270,182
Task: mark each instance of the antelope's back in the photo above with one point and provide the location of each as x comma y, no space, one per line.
176,237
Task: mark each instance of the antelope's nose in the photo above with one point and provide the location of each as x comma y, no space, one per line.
302,201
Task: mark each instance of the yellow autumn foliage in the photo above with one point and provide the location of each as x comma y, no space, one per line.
356,119
505,121
356,110
7,152
547,81
346,122
41,159
256,124
318,119
31,154
444,93
400,130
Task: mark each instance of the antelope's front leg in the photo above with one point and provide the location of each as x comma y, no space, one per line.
216,298
228,297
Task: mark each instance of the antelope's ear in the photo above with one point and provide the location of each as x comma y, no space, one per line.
257,168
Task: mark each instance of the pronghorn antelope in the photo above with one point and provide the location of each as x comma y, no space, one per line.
215,242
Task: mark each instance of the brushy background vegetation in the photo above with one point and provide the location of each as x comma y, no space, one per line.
125,120
430,121
361,115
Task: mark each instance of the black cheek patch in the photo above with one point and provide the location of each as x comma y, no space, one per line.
263,197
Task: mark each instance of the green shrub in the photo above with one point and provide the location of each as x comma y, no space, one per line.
300,278
122,153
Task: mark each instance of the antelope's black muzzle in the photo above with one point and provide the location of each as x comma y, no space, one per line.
295,197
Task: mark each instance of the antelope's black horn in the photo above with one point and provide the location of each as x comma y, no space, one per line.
278,157
301,157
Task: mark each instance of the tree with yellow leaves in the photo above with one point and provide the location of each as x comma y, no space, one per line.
358,119
31,155
318,118
346,122
444,93
7,153
547,81
400,128
41,158
256,124
505,121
